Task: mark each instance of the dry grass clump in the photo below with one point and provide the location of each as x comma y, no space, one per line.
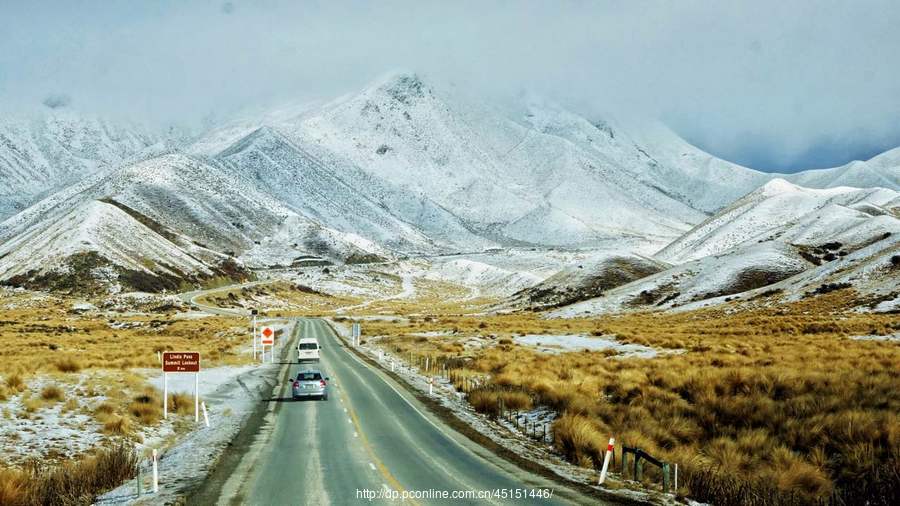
494,401
52,393
117,425
15,383
183,404
579,439
146,408
68,365
77,482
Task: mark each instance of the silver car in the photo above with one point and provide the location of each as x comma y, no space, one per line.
310,383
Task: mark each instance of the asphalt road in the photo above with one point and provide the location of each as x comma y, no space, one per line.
369,436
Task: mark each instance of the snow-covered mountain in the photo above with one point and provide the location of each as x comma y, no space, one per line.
50,150
341,196
405,168
792,214
168,214
779,237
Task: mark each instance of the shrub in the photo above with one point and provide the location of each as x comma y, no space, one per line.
490,400
579,440
118,425
52,393
15,382
76,482
68,365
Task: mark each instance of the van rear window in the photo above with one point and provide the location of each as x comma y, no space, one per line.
309,346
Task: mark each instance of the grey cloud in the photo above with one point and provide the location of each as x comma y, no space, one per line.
771,84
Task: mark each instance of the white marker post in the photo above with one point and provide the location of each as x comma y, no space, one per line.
205,414
610,448
676,479
155,473
430,386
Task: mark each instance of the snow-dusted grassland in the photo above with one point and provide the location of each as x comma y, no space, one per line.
76,375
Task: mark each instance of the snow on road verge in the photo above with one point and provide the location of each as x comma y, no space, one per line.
231,395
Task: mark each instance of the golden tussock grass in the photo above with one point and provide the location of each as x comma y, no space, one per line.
776,402
74,482
39,336
52,393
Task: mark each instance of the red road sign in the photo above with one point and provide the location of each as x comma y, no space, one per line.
268,336
181,361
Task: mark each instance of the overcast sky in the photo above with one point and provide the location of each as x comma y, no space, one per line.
773,85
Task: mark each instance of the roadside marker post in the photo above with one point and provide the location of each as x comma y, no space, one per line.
430,386
610,448
205,414
155,473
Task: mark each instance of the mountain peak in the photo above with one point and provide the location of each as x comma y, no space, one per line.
403,86
777,186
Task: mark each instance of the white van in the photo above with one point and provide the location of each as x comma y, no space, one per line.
307,349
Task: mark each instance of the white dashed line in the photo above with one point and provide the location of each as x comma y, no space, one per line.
372,466
355,434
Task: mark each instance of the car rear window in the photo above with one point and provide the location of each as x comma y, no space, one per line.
309,346
309,376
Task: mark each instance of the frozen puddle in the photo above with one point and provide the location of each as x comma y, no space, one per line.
560,344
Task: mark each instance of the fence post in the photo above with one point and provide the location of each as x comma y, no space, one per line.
638,466
624,460
139,478
665,473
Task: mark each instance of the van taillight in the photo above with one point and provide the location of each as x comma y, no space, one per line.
322,383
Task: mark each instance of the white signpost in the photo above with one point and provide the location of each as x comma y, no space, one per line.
178,362
254,313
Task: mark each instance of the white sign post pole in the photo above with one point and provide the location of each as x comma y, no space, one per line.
254,338
609,450
165,396
196,397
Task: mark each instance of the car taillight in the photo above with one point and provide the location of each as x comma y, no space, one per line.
296,384
322,383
